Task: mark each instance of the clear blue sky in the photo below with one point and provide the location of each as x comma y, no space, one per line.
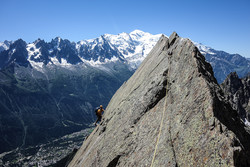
221,24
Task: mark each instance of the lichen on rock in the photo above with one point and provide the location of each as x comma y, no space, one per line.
171,112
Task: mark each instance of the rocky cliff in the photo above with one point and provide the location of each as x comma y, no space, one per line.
171,112
237,92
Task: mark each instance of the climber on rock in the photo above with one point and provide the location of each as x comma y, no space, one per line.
99,111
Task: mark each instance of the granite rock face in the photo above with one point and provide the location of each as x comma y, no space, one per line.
171,112
237,92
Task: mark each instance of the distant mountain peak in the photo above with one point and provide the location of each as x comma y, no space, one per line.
137,32
204,49
6,42
5,45
18,43
58,38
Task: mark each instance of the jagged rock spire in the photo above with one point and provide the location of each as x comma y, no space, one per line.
171,112
237,92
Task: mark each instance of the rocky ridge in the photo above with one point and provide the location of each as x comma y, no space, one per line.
171,112
237,92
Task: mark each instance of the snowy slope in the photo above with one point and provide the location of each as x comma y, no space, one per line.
5,45
98,51
204,49
134,46
130,48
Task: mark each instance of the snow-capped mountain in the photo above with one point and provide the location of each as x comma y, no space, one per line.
129,48
204,49
134,46
5,45
15,53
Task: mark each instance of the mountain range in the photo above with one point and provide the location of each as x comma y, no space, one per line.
130,48
49,89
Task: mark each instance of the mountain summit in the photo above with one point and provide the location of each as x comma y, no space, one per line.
171,112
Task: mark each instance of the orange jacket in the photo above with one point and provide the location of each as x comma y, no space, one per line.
99,111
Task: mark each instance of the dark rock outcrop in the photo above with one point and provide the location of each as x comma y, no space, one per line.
16,54
237,92
171,112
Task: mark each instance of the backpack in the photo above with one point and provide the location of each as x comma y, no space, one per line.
96,109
